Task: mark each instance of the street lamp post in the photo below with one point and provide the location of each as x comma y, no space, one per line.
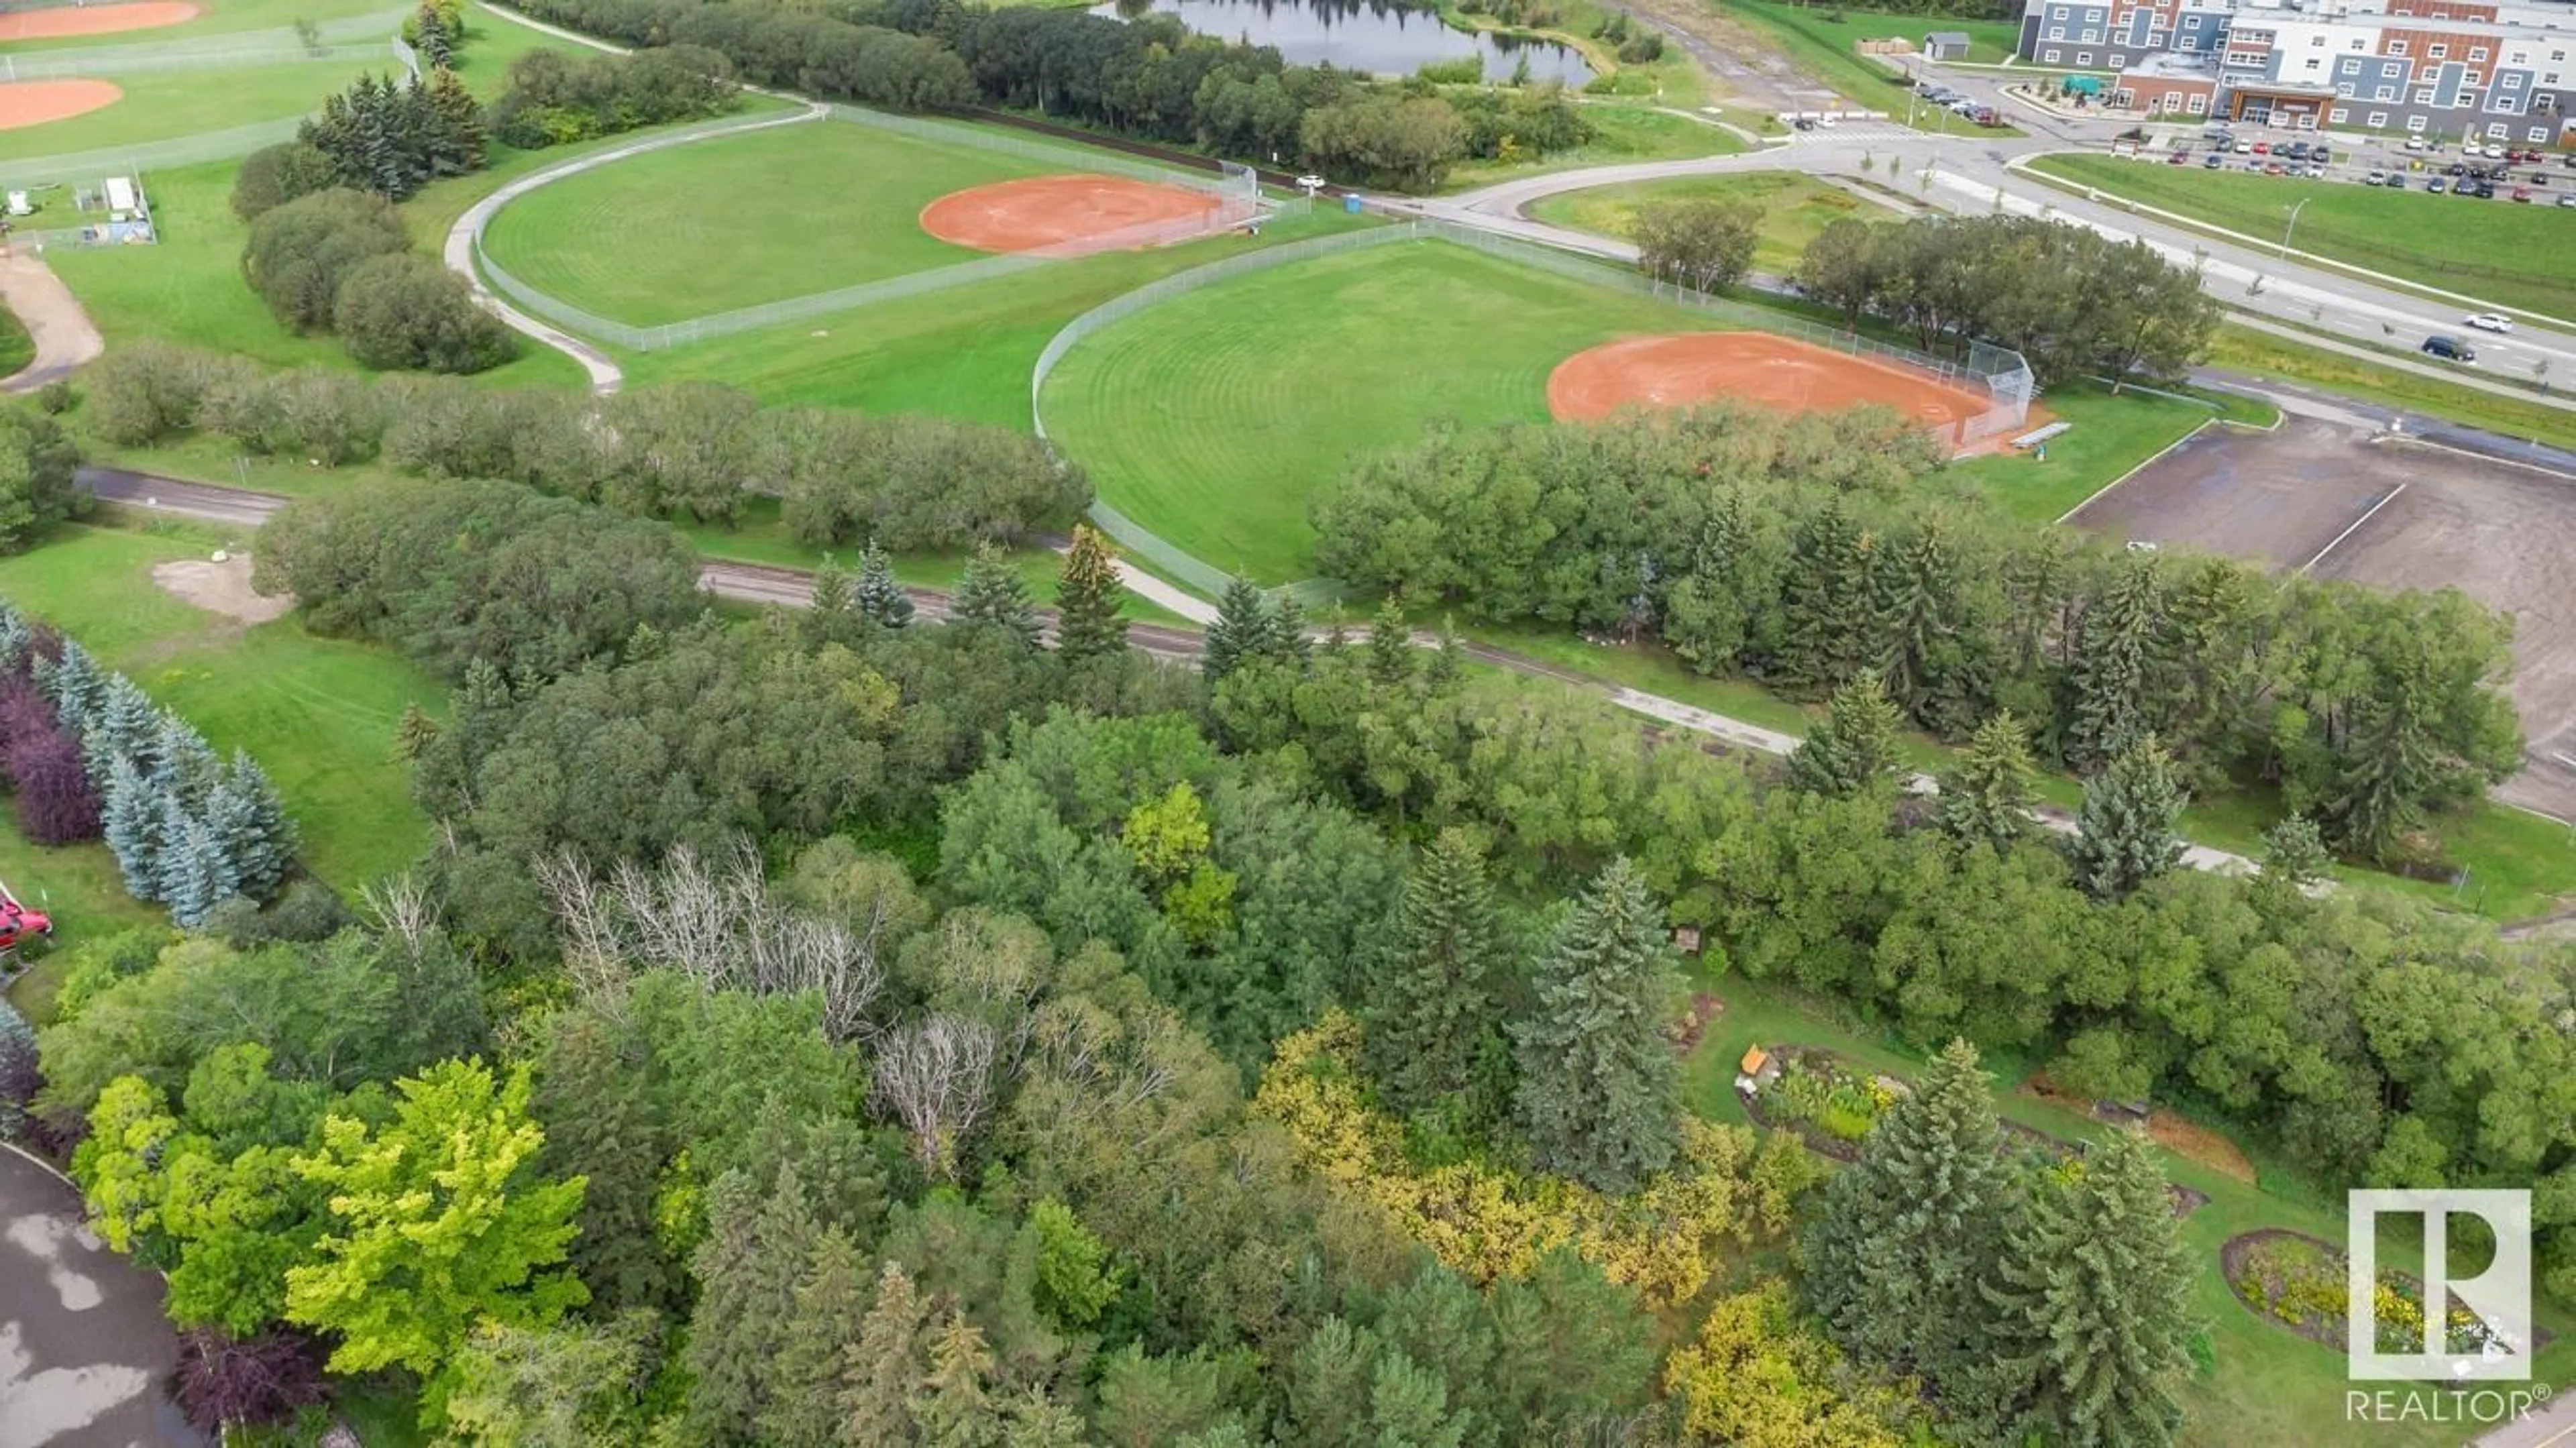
2293,226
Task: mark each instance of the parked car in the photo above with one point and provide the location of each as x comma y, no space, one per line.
2455,169
2489,321
2243,146
2316,172
2181,158
2262,147
2538,178
2376,178
2568,160
2567,201
2272,168
2522,193
2414,143
2216,160
2450,349
2434,186
2396,180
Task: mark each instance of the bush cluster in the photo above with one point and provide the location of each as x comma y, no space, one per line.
39,474
341,259
696,450
554,99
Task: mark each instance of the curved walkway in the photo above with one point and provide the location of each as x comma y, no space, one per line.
84,1349
465,238
63,333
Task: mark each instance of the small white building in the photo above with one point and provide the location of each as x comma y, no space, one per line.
1946,45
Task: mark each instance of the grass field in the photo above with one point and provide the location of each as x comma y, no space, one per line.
2516,255
1216,417
1794,208
964,353
2111,436
17,349
183,103
227,17
1820,41
1623,132
2267,1384
740,221
319,714
2262,355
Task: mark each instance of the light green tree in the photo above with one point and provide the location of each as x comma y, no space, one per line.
437,1224
1988,796
1854,749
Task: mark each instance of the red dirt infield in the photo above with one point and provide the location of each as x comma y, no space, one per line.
60,20
1061,211
1688,369
34,102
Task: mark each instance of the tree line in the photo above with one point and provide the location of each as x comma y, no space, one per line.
39,473
341,261
90,756
1804,551
2073,302
693,450
1148,78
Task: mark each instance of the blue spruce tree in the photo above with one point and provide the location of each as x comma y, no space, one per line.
127,729
195,875
183,764
251,825
74,684
130,818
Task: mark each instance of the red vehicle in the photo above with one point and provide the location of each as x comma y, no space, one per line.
17,922
2522,193
2262,148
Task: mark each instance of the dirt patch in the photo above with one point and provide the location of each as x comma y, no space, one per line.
220,588
1688,1031
1068,214
1691,369
61,20
2199,1145
34,102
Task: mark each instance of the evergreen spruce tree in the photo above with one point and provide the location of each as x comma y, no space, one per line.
2114,666
991,594
1988,796
75,684
1390,647
1448,666
183,764
2389,766
2095,1305
951,1406
1288,639
1431,1010
430,38
2295,854
195,874
1854,749
414,732
878,597
127,727
804,1403
2125,831
885,1361
1825,611
759,1248
1908,1232
1087,625
1934,659
460,145
257,834
1241,631
131,822
1712,612
1599,1082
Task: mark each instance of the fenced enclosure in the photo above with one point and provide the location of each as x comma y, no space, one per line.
1997,373
1236,189
112,225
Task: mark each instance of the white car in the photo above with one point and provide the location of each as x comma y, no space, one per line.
2414,143
2490,322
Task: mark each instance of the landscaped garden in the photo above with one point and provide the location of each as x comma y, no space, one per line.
2304,1283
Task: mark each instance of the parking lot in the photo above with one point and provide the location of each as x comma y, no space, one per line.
2329,499
2494,173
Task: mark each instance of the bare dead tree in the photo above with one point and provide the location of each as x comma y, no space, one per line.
715,922
935,1078
401,908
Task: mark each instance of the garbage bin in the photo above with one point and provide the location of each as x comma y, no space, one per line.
1351,204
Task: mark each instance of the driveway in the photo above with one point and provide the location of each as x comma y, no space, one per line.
85,1355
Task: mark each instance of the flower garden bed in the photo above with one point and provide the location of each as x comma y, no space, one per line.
2055,1150
2299,1282
1827,1102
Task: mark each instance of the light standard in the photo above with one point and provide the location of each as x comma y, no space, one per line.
2293,226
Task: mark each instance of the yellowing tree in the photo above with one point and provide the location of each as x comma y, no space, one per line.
438,1225
1756,1378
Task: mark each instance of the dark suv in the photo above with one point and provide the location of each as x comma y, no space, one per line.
2450,349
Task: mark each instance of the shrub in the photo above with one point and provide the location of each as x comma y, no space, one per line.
55,398
301,252
254,1381
274,175
37,465
404,310
147,391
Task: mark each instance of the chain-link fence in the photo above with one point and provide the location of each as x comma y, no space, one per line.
139,60
23,172
1996,372
1237,201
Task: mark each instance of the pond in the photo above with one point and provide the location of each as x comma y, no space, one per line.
1375,38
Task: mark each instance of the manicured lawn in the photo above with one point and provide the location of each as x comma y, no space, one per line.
1215,418
181,103
17,349
1622,132
2262,355
1794,208
2516,255
2111,435
964,353
740,221
319,714
2268,1385
78,885
189,288
1820,42
228,18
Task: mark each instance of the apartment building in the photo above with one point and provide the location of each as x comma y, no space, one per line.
2495,70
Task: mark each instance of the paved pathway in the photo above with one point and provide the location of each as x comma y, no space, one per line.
53,317
84,1351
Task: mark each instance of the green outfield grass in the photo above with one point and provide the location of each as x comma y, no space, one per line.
1794,208
224,17
2110,437
740,221
319,714
1623,131
964,353
183,103
1215,418
2516,255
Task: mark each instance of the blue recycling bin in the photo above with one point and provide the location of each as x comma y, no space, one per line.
1351,204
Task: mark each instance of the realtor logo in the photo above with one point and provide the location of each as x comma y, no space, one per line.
2469,1327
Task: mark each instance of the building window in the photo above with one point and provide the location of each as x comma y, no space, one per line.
2397,47
2510,82
2049,56
2477,52
2424,97
2338,116
2550,79
2414,123
2344,91
2498,131
2118,60
2536,133
2378,120
2385,93
2083,57
2057,14
2356,43
2316,40
2439,52
2056,32
2349,67
2312,65
2199,103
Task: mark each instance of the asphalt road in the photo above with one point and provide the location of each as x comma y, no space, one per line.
85,1354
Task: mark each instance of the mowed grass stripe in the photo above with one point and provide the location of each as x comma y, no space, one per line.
184,103
1794,208
732,223
1217,417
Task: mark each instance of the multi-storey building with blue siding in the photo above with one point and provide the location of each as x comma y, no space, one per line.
2492,70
